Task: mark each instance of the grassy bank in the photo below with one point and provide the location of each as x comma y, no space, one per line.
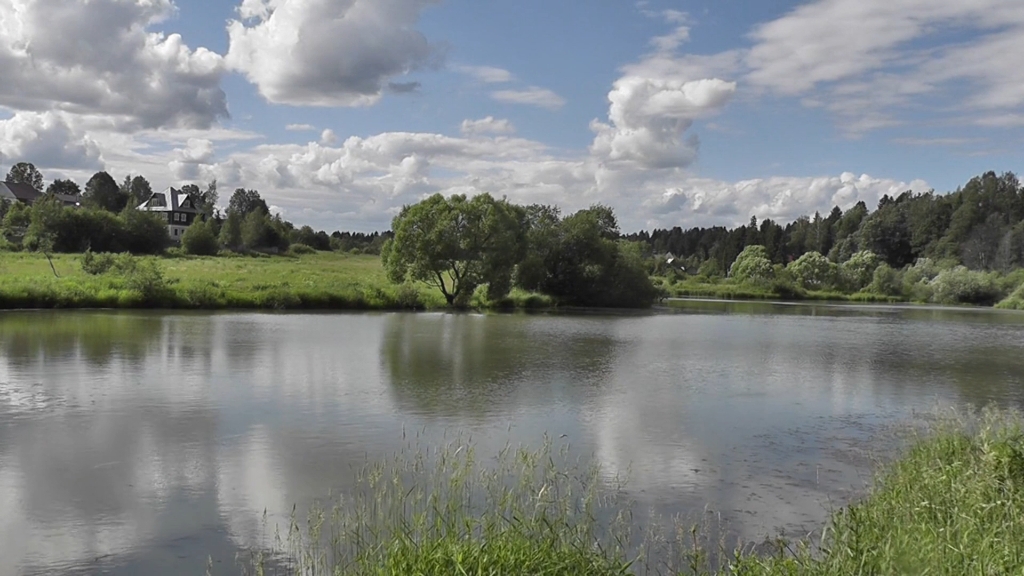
321,280
953,504
733,291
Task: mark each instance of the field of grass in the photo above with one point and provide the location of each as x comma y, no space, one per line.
321,280
953,504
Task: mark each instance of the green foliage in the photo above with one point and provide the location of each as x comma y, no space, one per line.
752,266
137,190
299,249
199,239
710,269
261,232
17,219
64,187
244,202
886,281
95,264
813,271
857,272
231,232
52,227
316,240
25,173
441,511
102,192
578,262
456,244
952,505
143,232
963,286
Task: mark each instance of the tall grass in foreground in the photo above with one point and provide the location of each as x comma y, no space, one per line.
953,504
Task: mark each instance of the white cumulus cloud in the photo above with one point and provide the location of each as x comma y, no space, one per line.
327,52
47,140
98,57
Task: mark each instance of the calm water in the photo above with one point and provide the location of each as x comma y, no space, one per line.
138,443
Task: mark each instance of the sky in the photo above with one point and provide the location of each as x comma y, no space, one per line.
674,113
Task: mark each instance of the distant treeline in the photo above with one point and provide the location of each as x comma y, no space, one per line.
107,220
980,225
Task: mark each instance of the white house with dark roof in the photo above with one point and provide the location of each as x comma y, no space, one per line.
179,210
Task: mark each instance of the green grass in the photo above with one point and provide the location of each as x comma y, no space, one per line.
953,504
733,291
322,280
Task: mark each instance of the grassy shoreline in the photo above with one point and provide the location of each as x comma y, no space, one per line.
951,504
320,281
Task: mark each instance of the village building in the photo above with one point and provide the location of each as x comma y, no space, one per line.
178,209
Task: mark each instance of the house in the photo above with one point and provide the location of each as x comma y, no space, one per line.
179,210
13,191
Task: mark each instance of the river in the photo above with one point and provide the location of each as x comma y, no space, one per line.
146,443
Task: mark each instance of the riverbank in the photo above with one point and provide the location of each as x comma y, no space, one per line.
322,281
731,291
952,504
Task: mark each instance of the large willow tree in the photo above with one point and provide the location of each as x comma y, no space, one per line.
457,244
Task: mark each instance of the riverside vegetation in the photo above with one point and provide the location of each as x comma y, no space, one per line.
952,505
965,247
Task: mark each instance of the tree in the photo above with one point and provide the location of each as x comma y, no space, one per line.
231,232
101,191
200,240
205,200
753,266
813,271
456,244
64,187
137,190
580,261
26,173
261,232
45,218
244,202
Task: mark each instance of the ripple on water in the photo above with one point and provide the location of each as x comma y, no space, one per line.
26,401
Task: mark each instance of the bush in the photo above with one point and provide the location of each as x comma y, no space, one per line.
200,240
859,271
299,249
96,264
146,278
143,232
963,286
886,281
813,271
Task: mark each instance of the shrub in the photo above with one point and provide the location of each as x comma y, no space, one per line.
143,232
299,249
813,271
200,240
96,264
146,278
963,286
886,281
859,271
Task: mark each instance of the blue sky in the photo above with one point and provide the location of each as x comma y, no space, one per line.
674,113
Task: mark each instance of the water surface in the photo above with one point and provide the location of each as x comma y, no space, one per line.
147,442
